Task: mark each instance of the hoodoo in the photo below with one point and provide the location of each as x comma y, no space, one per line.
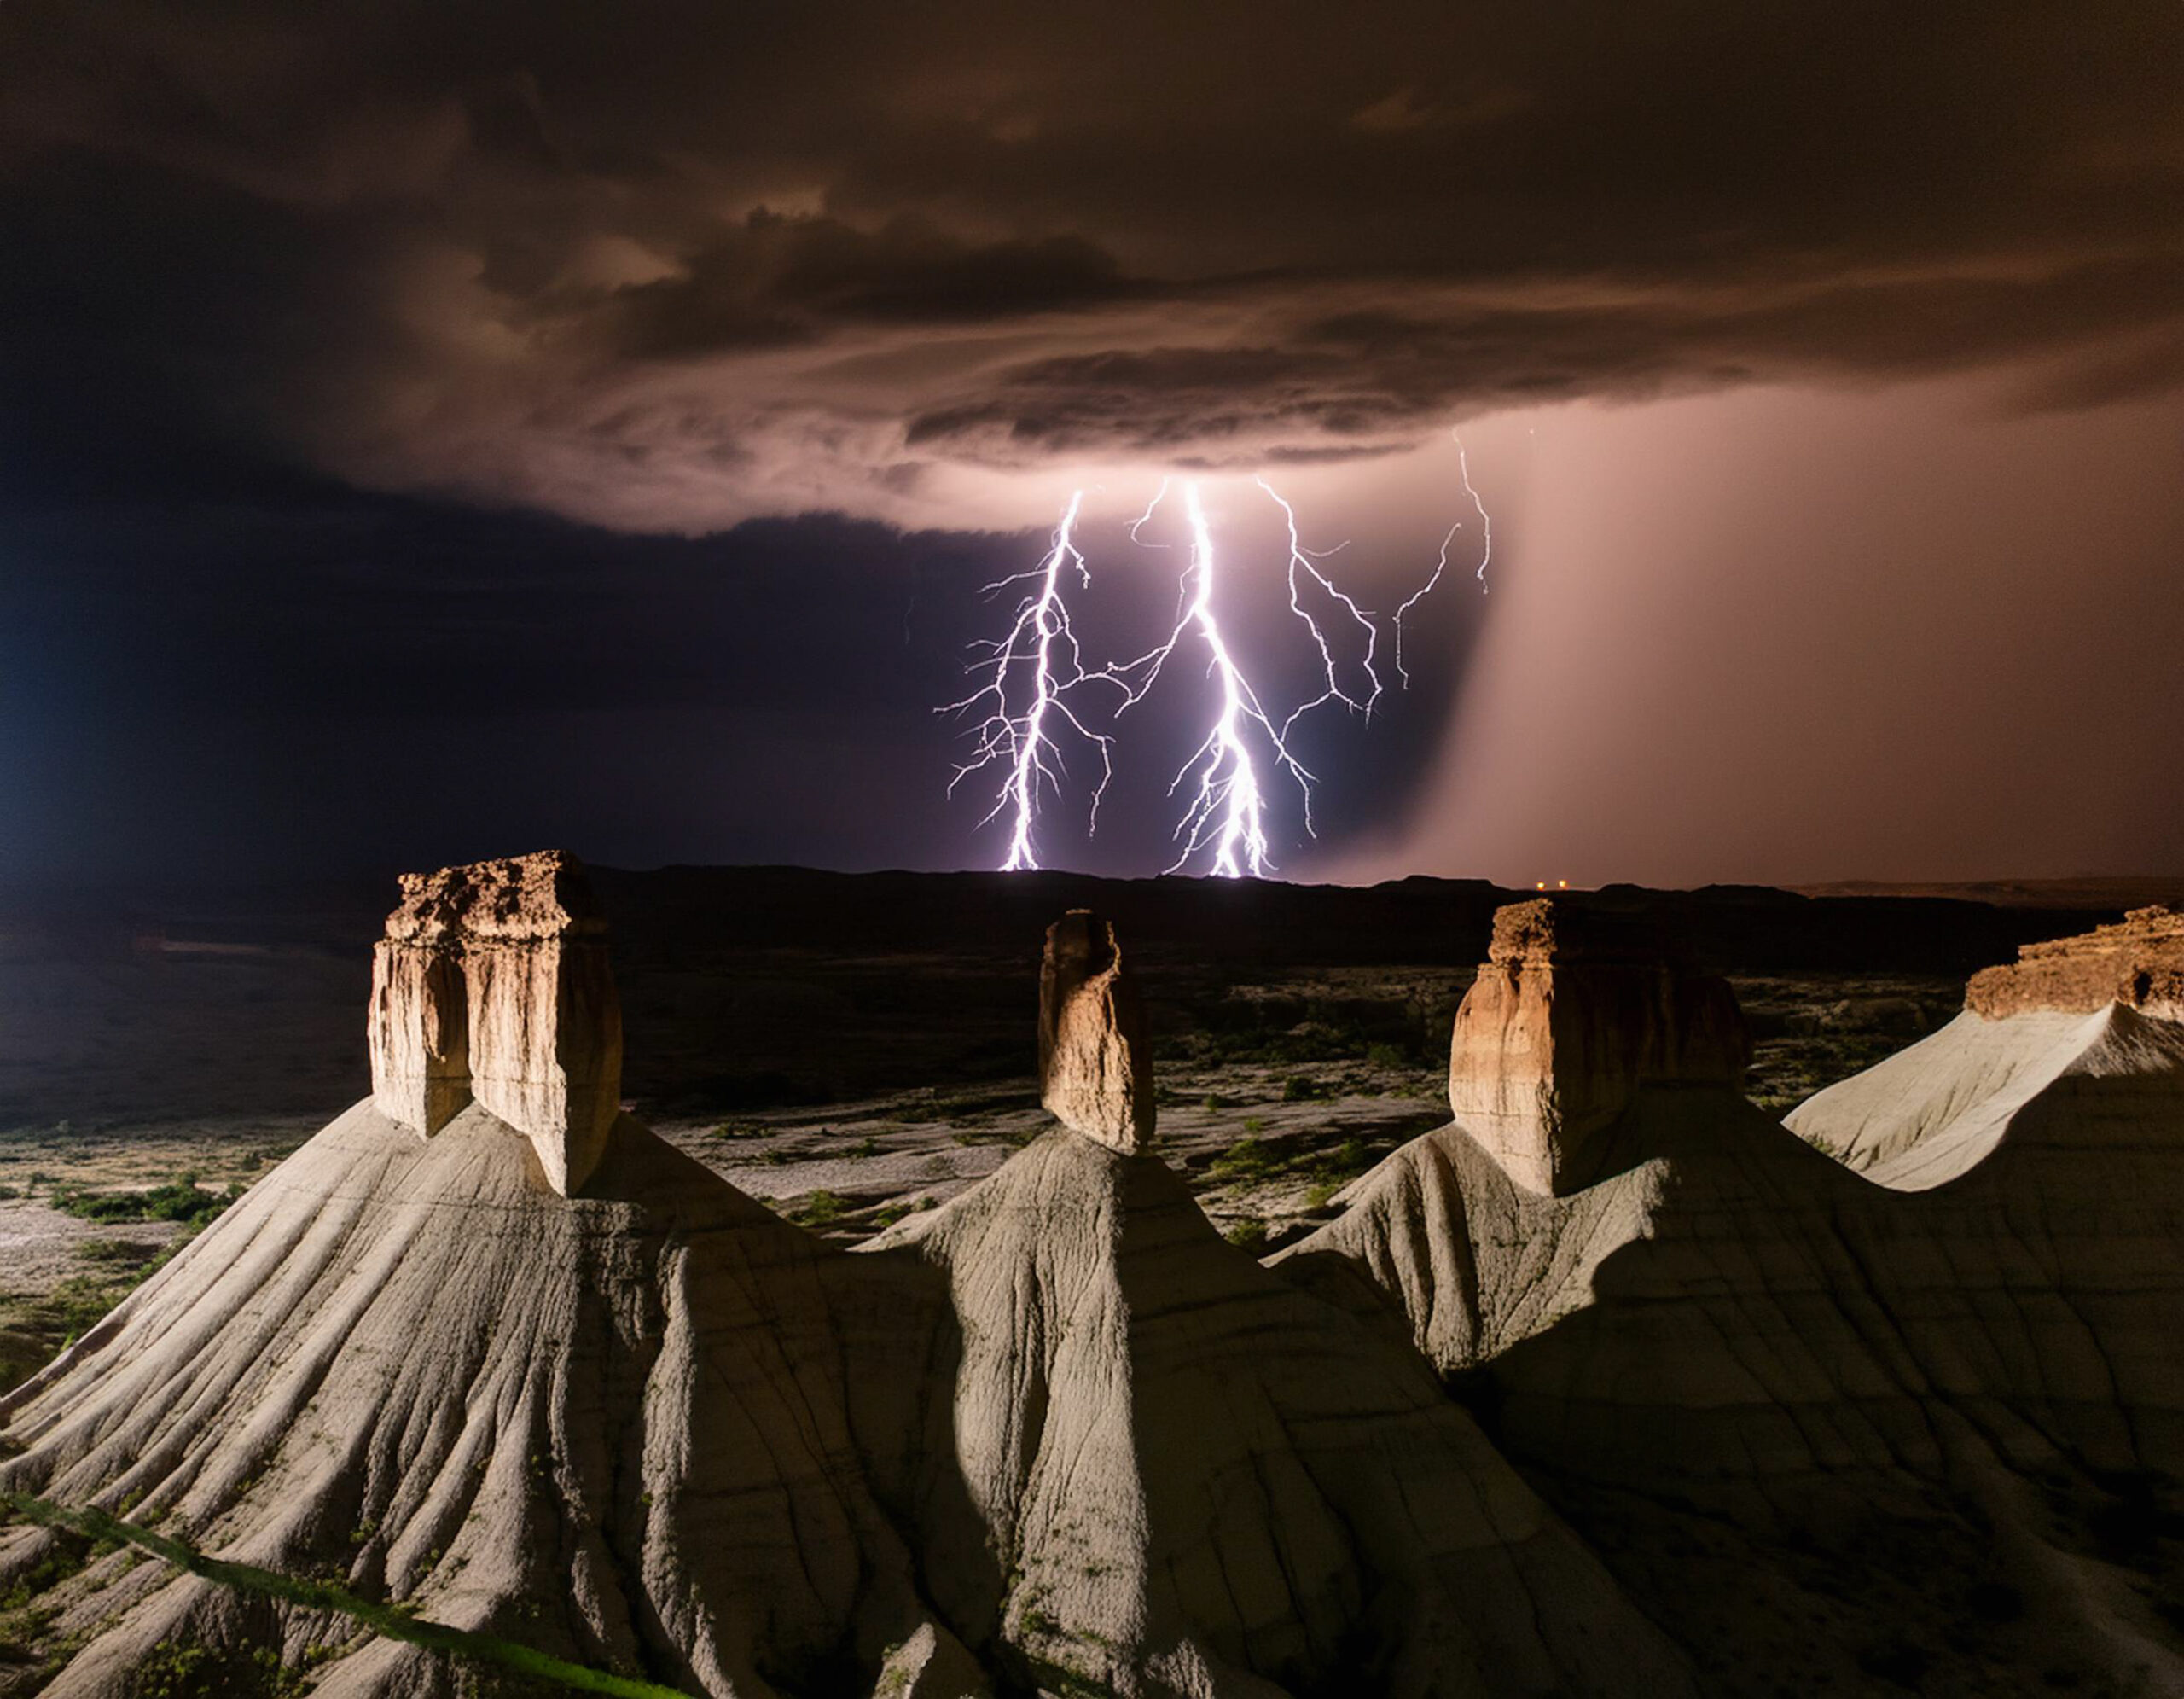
1573,1013
622,1427
1095,1075
492,985
1947,1385
2078,1034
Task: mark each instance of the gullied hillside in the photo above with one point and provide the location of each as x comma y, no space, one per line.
487,1350
1828,1432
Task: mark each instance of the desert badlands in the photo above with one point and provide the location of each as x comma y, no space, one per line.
1613,1384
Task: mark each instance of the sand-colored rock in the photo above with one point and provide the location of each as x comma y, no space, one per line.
1738,1363
1574,1010
620,1428
1095,1070
2138,962
493,983
1194,1479
419,1033
1057,1436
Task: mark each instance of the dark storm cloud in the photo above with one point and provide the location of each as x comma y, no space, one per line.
669,265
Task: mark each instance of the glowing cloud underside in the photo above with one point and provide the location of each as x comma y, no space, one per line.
1039,665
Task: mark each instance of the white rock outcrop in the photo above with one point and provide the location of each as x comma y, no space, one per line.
492,985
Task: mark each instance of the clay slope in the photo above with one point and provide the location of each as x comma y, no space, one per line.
614,1428
1200,1481
1750,1375
1935,1112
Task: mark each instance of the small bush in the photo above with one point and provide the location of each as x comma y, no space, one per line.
1249,1234
1254,1123
1247,1158
820,1208
1297,1089
1387,1056
180,1200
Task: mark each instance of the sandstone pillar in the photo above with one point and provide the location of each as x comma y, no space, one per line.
1572,1013
1095,1073
493,985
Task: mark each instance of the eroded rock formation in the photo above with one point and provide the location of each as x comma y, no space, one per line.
1573,1011
1742,1368
1096,1071
2138,962
492,985
1057,1435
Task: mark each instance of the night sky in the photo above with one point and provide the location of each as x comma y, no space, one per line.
436,431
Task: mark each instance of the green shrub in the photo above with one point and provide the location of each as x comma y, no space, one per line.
180,1200
1247,1158
820,1208
1249,1234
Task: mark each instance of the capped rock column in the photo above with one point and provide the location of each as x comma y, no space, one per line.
1095,1073
420,1023
492,985
1572,1013
545,1023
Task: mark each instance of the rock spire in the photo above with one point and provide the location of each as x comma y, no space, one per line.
1096,1074
1573,1011
492,986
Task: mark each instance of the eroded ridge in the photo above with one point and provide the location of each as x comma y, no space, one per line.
2138,961
492,986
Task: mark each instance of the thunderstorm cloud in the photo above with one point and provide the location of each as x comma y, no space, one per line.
665,267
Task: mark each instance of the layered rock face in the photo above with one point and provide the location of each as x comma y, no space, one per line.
1572,1013
492,985
2138,963
1095,1074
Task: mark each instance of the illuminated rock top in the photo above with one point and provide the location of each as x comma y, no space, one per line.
492,986
1095,1071
2139,962
1572,1013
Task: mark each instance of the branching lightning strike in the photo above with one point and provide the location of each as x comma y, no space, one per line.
1301,558
1226,813
1024,742
1486,553
1227,805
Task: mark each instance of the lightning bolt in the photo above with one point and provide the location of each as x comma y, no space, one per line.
1486,553
1302,559
1227,811
1023,704
1022,743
